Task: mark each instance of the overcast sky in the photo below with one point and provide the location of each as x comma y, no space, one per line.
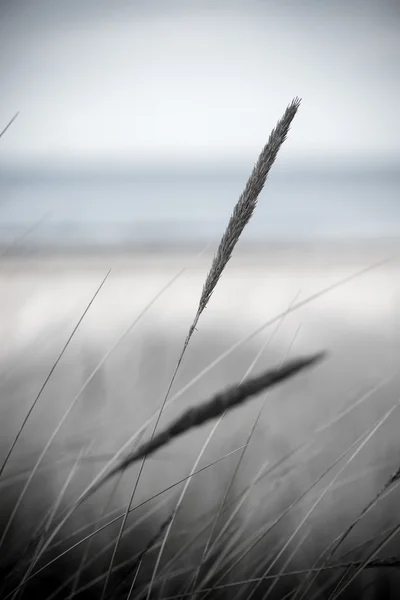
198,81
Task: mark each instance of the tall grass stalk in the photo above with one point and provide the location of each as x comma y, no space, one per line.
10,122
47,379
359,445
195,466
241,216
30,478
95,484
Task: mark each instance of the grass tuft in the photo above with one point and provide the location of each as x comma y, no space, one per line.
199,565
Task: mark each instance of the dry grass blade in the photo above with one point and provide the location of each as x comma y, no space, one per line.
358,444
326,489
391,484
115,520
157,414
95,557
197,416
364,564
9,124
236,470
233,396
286,563
14,244
381,563
266,470
47,520
38,535
82,389
221,402
137,563
388,488
32,474
263,472
88,548
50,515
201,453
93,486
241,215
57,361
242,549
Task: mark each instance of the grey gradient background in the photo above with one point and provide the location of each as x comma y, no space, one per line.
140,121
148,82
139,124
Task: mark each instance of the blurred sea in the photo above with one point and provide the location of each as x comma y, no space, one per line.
123,208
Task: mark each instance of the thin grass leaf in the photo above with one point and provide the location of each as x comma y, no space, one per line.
364,563
79,394
85,555
240,217
33,472
327,488
196,416
230,398
359,445
114,520
287,562
263,471
241,552
53,368
14,244
392,483
234,475
9,124
382,563
204,447
92,487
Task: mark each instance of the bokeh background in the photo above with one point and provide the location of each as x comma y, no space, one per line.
138,125
139,121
